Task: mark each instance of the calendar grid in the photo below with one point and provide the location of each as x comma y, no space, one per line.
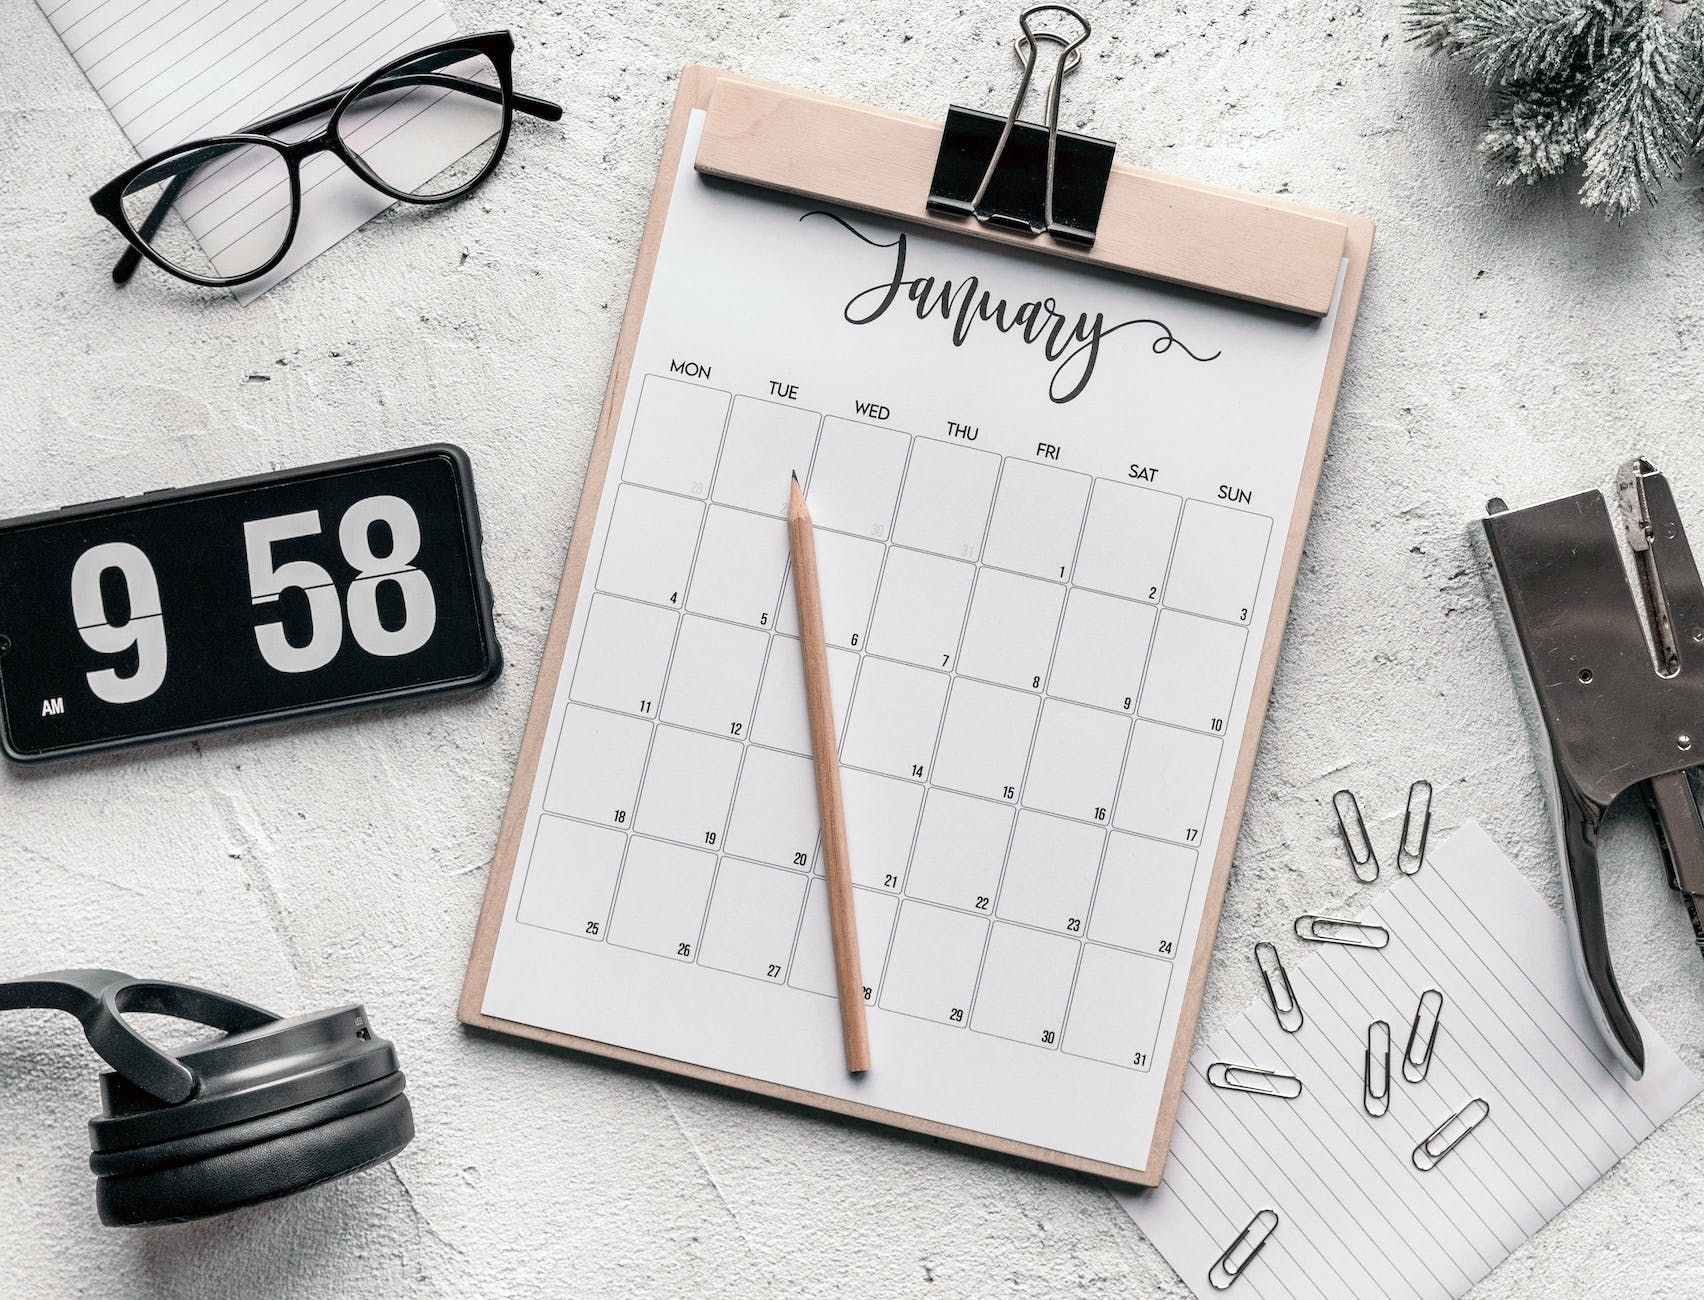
798,925
719,836
872,984
627,832
941,560
1029,757
897,891
1065,1013
1124,759
721,857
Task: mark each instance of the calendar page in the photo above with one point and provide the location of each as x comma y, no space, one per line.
1050,506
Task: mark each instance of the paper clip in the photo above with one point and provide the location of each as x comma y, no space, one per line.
1351,934
1464,1121
1241,1252
1286,1008
1414,1067
1376,1101
1248,1078
1411,853
1355,838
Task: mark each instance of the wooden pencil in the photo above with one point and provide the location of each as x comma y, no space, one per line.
837,865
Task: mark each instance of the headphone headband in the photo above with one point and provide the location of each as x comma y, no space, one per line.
99,999
267,1108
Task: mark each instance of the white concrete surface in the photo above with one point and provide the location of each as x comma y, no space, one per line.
1515,345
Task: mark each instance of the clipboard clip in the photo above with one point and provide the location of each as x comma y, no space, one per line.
1034,179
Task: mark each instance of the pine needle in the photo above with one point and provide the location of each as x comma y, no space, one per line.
1639,124
1535,134
1690,39
1514,41
1432,25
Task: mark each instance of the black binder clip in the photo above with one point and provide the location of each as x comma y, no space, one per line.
1607,718
1039,180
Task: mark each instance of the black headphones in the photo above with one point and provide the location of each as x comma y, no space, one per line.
273,1107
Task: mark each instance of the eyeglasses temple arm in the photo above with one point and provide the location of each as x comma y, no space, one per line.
542,108
539,108
130,258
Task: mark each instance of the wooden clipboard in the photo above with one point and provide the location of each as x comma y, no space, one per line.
1257,249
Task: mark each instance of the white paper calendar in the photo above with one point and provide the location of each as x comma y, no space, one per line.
1051,505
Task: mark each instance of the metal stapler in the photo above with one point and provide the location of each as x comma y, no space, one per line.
1617,702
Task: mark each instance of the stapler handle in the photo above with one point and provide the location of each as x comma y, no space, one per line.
1578,820
1680,830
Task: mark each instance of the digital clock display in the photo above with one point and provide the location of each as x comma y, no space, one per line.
192,609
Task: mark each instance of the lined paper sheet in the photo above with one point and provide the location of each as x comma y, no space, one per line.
177,70
1356,1218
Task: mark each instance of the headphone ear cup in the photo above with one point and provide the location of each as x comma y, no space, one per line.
254,1160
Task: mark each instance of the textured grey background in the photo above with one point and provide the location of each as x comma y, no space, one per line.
1507,344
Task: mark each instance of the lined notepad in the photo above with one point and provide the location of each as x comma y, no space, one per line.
1356,1218
176,70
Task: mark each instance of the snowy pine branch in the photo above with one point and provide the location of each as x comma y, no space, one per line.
1512,41
1535,133
1639,123
1432,25
1691,40
1616,86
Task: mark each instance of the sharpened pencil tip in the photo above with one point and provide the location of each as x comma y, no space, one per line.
795,476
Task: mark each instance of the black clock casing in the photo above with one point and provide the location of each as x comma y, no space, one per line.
188,610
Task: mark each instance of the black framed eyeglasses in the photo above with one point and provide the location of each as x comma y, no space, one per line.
424,128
